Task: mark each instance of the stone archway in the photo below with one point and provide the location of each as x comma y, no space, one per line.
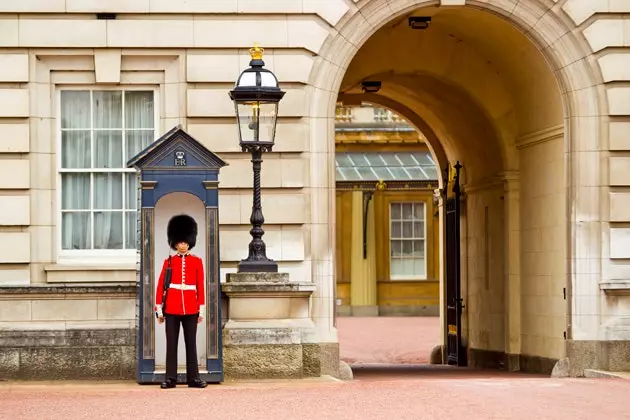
563,64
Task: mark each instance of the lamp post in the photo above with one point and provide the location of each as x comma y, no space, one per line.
256,96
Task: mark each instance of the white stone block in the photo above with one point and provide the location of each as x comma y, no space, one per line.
620,207
42,244
16,247
580,10
15,277
16,310
64,310
618,6
218,137
212,66
293,104
269,6
277,208
193,6
63,33
452,2
292,67
233,243
309,34
292,244
238,33
229,208
150,33
619,243
239,173
217,103
619,135
223,137
116,309
111,6
605,33
29,6
9,32
14,103
615,67
14,138
209,103
619,168
618,100
14,174
13,67
330,10
283,244
15,210
107,65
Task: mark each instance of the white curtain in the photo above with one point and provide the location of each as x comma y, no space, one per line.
99,205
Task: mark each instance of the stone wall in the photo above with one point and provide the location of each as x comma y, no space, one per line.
68,332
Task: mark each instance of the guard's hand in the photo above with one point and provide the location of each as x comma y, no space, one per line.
200,319
161,320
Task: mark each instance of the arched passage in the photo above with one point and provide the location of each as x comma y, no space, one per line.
503,88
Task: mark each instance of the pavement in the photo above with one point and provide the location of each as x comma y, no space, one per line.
379,391
397,340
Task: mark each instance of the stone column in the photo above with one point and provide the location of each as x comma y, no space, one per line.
362,270
511,208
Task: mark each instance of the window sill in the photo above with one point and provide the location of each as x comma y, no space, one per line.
615,287
91,273
409,279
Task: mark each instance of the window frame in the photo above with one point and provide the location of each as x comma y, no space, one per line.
409,200
382,207
93,256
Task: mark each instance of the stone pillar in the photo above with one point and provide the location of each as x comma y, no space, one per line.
511,208
362,270
269,333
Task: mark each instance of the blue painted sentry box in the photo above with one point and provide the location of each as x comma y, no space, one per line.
176,162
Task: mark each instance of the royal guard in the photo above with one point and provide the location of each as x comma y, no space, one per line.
180,299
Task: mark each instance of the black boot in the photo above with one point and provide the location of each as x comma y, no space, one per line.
169,383
197,383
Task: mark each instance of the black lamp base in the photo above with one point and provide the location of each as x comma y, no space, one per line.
264,266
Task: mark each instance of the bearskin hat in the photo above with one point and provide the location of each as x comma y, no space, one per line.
182,228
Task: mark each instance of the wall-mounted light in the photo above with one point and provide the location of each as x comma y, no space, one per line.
419,22
370,86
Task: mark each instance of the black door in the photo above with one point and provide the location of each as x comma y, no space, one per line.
455,353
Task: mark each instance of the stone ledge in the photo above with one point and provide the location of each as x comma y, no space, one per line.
595,373
258,277
615,287
63,289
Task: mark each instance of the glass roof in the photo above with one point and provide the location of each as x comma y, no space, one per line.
388,166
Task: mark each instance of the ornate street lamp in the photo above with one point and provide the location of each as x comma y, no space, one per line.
256,96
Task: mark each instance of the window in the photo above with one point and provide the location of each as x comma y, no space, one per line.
407,241
100,132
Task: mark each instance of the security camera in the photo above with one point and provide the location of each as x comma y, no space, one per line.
419,22
370,86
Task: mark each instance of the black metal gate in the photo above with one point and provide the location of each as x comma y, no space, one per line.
455,353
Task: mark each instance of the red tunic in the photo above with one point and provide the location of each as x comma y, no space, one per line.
187,294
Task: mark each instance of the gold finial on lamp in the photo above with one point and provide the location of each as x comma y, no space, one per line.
256,53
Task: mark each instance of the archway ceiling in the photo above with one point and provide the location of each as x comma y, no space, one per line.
484,55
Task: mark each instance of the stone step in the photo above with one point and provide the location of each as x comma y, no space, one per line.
595,373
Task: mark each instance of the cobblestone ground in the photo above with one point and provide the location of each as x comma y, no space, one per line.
387,339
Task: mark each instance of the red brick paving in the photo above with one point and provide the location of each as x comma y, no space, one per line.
400,392
403,393
396,340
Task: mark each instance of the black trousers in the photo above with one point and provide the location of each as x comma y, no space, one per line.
189,324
